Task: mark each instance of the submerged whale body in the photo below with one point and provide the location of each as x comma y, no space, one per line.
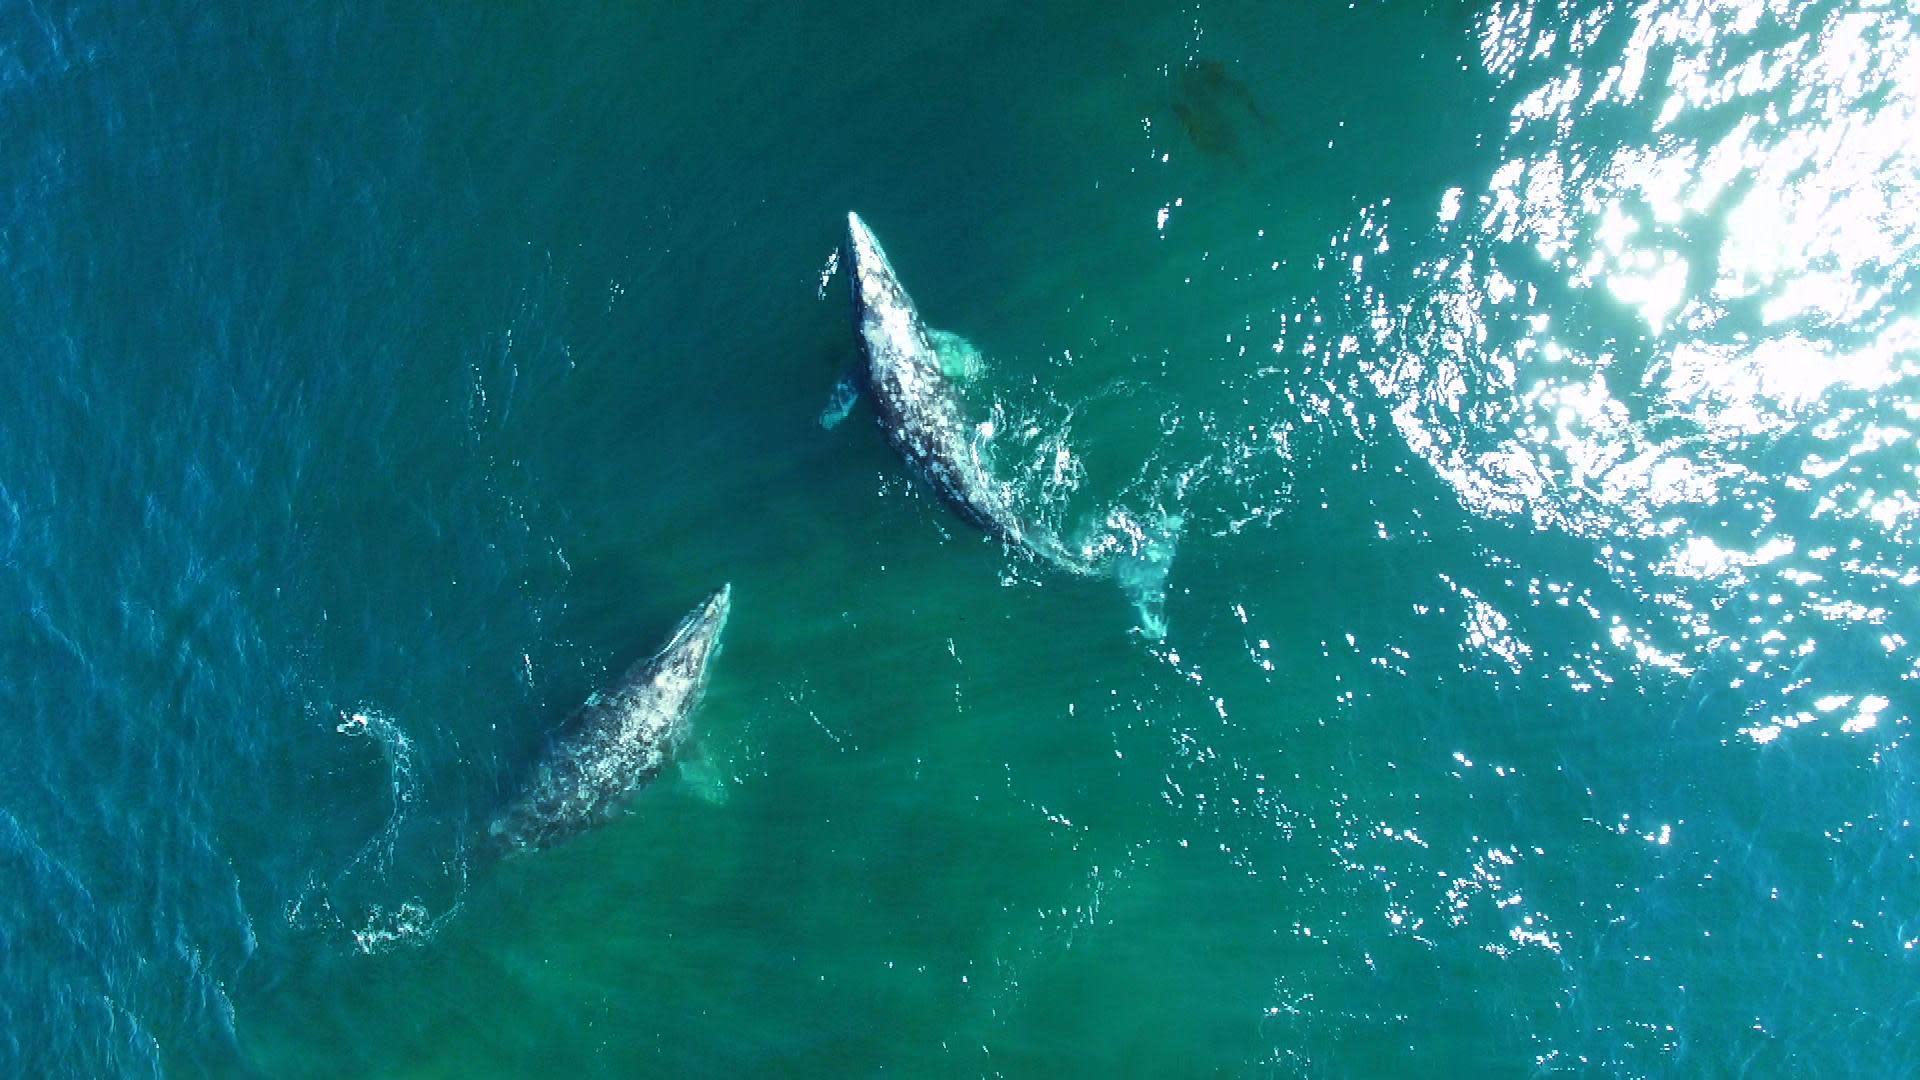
919,406
619,740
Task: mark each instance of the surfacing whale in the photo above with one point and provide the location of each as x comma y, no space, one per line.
619,740
920,408
909,373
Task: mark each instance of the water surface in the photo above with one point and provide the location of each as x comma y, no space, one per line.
1536,388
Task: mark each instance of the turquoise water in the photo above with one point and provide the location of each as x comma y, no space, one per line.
1536,388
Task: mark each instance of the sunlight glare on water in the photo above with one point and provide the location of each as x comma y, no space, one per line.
1686,294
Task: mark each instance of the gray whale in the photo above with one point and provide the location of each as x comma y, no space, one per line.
920,408
619,740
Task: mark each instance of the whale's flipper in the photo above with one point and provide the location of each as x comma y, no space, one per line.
959,358
703,777
845,395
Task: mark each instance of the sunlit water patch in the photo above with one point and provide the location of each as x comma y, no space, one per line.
1673,327
1677,321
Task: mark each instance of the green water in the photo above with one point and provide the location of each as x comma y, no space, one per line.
1537,682
947,843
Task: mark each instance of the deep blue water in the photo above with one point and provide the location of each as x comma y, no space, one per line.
1534,388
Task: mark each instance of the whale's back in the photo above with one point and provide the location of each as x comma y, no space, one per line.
618,741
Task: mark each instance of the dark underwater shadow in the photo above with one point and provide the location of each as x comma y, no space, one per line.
1217,111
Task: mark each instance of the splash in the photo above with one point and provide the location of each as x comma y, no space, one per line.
1085,532
1139,555
379,926
403,784
827,270
409,924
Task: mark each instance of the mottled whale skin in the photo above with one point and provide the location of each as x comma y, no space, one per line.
619,740
922,413
918,405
